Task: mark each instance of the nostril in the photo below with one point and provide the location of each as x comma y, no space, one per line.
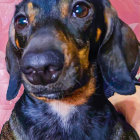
54,69
28,70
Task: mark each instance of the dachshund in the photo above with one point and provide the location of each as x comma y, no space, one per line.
64,52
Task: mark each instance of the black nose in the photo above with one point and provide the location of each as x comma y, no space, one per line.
42,68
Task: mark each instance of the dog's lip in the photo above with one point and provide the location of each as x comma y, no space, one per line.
52,95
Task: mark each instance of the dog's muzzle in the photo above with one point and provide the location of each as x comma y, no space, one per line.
42,67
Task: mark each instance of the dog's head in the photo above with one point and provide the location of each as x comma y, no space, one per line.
53,44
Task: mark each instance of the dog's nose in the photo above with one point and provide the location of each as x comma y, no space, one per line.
42,68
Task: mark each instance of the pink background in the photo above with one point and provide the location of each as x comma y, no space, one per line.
128,11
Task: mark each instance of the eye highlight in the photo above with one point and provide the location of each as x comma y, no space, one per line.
80,10
21,22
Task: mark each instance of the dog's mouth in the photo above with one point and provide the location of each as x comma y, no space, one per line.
53,95
55,91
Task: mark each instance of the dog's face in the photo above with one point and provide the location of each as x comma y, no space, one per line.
52,37
55,43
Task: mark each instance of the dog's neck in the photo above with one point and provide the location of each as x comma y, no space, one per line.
40,120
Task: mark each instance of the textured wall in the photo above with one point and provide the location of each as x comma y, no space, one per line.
129,11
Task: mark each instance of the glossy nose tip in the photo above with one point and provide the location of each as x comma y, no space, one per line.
42,68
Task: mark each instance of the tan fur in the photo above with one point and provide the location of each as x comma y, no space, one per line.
32,12
72,53
17,43
81,95
98,34
64,9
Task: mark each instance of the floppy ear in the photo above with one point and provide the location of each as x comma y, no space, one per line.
118,56
12,66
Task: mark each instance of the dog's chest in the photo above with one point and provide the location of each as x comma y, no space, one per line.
63,112
55,121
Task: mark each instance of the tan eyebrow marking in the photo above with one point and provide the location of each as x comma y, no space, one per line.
32,12
64,8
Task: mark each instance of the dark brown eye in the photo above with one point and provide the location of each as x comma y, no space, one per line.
21,22
80,10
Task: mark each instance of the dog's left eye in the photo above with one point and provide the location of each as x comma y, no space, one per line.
80,10
21,22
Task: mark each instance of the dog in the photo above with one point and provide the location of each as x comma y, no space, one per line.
63,51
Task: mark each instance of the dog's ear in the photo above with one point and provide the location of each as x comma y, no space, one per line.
12,65
118,55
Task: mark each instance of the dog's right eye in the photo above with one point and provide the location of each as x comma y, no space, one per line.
81,10
21,22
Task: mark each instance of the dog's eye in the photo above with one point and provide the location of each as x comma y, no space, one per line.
21,22
80,10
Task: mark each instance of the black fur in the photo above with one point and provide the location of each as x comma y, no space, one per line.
112,57
90,121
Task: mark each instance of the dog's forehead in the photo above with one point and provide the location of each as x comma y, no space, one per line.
58,7
51,3
41,10
47,6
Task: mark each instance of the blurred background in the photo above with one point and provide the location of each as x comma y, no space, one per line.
128,11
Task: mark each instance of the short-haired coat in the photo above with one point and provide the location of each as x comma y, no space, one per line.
63,51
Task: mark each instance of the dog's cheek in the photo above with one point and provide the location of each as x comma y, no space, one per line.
76,59
70,53
84,57
70,50
81,95
22,38
75,62
20,41
17,43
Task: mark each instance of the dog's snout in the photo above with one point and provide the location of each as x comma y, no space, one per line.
42,68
